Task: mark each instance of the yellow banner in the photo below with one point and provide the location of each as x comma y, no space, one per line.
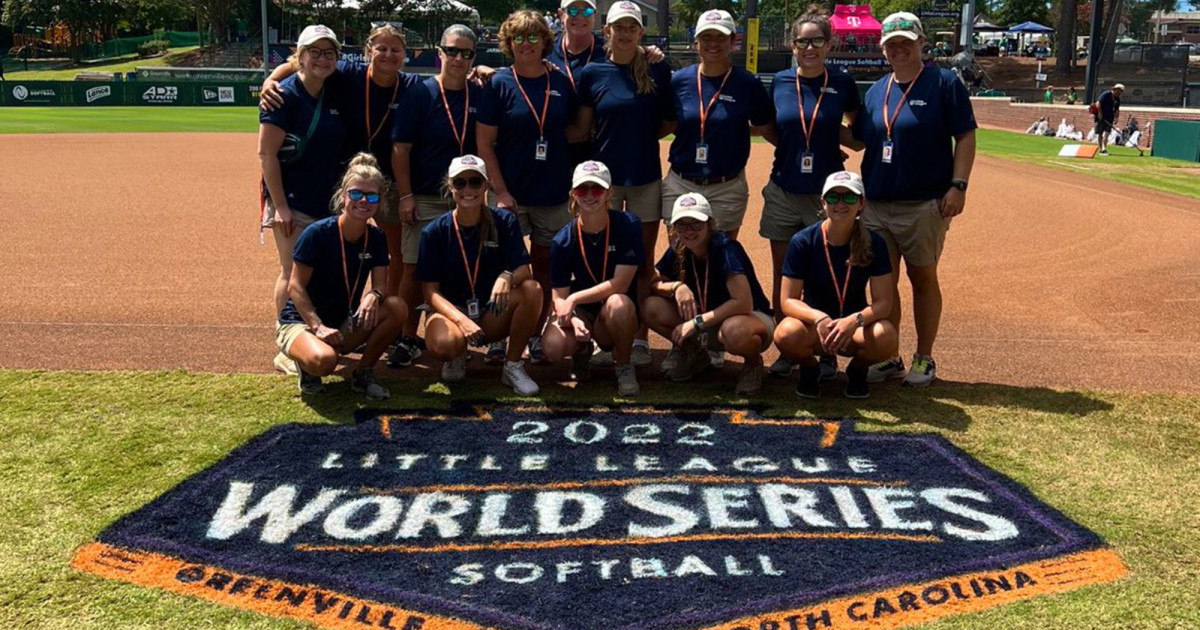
752,45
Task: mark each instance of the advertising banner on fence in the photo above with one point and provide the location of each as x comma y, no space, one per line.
160,94
217,95
34,93
98,94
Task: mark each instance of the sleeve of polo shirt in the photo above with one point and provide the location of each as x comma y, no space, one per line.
489,104
281,116
881,262
762,108
431,258
666,265
956,101
308,248
795,263
516,254
731,262
560,259
379,250
410,115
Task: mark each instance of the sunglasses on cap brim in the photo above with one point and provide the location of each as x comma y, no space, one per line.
900,25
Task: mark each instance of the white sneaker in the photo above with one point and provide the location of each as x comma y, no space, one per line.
455,369
603,358
716,358
640,356
672,359
882,371
285,364
514,376
922,372
627,384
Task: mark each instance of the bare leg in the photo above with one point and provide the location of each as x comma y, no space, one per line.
927,305
395,239
797,341
410,292
392,314
743,336
616,326
778,251
540,257
285,245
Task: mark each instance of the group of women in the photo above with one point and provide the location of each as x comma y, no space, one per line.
562,147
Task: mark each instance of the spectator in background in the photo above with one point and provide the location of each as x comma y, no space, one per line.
1072,96
1048,98
1108,107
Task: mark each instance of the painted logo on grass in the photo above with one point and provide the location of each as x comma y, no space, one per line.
537,519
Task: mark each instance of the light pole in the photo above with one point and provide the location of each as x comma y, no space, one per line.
266,51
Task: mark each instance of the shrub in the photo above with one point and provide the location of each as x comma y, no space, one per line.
153,47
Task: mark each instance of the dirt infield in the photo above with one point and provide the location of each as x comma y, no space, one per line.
139,251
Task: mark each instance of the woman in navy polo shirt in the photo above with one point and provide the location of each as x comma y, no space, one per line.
522,134
435,123
807,147
825,276
594,260
328,314
706,295
297,185
716,104
919,131
574,49
476,276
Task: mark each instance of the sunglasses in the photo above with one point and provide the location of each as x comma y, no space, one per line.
454,51
899,25
460,183
317,53
583,192
803,42
532,39
688,226
849,198
578,11
396,25
358,195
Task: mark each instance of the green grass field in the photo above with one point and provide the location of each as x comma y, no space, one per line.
79,450
13,71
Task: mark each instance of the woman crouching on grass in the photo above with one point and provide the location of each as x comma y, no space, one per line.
593,262
475,272
327,314
825,275
707,297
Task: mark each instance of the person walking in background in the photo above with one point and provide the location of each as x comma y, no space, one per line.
1108,108
1048,97
919,132
1072,96
810,104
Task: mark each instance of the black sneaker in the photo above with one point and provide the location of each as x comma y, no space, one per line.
809,385
309,384
581,363
363,381
856,382
404,352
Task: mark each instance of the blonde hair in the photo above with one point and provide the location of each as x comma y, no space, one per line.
365,168
384,30
294,59
640,66
487,224
529,22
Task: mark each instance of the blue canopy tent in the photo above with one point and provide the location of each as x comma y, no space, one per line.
1026,28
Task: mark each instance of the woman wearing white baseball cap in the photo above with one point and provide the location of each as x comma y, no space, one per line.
593,263
706,296
825,276
476,276
716,105
919,131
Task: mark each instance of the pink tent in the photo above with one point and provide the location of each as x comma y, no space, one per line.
855,28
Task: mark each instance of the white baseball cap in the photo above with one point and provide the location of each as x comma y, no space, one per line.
316,32
591,171
902,24
467,163
843,179
624,9
716,20
691,206
1119,86
566,3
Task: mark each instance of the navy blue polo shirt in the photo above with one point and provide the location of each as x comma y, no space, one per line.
938,108
1109,106
577,151
626,123
309,182
350,81
320,247
840,98
726,257
530,181
441,259
422,122
567,268
805,260
744,101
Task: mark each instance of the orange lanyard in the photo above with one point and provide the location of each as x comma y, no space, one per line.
471,278
545,105
700,91
345,269
702,295
888,123
462,138
841,294
567,59
583,252
807,128
386,112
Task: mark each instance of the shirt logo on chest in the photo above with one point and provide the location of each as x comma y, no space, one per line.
725,98
916,103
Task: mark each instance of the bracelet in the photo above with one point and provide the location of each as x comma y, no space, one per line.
821,319
376,293
403,197
675,287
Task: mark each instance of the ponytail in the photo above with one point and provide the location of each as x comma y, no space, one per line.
860,245
363,167
640,67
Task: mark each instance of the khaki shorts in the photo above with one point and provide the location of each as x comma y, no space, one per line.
728,199
786,213
916,229
286,334
429,207
389,206
645,201
299,219
541,223
285,246
714,343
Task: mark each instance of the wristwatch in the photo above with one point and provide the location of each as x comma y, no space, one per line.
699,322
960,184
859,318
